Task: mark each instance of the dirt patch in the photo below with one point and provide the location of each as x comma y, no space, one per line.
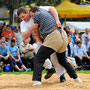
24,82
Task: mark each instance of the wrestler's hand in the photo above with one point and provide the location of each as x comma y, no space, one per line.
58,24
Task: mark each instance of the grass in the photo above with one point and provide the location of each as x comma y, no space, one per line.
18,73
30,73
85,72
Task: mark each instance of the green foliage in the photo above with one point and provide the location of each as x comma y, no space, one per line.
22,2
2,3
47,2
76,1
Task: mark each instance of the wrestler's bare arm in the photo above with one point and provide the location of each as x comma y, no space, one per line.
27,34
55,14
37,35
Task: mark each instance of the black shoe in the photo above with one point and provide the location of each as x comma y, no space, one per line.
62,79
49,73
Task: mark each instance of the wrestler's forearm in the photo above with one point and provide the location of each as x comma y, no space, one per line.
27,34
54,13
37,35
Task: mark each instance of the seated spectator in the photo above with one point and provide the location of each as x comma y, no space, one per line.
15,55
69,53
3,38
7,31
76,36
18,36
87,33
5,54
9,38
79,51
4,28
68,31
27,53
87,43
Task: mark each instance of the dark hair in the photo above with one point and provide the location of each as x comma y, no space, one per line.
78,42
2,37
21,10
8,25
34,9
12,40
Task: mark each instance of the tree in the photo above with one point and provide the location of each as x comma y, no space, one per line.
45,2
11,5
76,1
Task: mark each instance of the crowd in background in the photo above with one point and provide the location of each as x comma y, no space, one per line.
17,54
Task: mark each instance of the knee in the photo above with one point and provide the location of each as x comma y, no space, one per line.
64,63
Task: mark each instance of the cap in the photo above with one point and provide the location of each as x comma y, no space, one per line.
88,38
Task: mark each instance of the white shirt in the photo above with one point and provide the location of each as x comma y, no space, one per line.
26,25
84,35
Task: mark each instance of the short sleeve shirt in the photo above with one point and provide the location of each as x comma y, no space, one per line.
26,25
4,51
13,50
46,22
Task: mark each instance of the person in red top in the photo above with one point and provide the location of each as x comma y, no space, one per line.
7,31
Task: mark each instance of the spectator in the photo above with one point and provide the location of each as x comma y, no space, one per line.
9,38
3,38
79,51
68,31
76,36
4,28
86,43
27,53
87,33
5,54
7,31
15,55
69,53
18,36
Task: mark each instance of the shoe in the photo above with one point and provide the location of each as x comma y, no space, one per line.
62,79
36,83
27,70
21,70
78,80
49,73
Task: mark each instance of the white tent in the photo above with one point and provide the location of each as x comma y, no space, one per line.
80,25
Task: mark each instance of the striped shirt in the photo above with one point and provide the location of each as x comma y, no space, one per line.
46,21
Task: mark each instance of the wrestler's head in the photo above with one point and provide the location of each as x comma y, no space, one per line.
33,10
23,14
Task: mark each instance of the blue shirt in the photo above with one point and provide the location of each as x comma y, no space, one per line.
13,50
87,46
4,51
71,48
80,51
